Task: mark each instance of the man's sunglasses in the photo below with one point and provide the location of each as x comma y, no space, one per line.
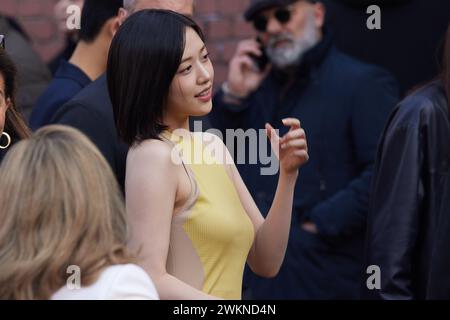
2,41
282,14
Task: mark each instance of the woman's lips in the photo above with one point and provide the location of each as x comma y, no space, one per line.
205,96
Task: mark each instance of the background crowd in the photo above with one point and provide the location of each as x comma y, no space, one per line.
373,181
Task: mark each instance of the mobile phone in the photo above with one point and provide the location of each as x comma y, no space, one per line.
262,60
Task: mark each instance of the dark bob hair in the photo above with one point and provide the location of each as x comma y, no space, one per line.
144,57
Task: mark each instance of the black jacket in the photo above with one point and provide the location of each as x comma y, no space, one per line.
91,112
409,217
403,41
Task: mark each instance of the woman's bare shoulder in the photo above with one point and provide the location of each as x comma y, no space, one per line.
152,153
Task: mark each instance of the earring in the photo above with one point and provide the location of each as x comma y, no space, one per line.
8,139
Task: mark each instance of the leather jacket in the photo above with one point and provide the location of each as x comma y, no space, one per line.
408,233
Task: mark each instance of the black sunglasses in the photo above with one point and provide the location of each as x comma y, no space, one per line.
2,41
283,15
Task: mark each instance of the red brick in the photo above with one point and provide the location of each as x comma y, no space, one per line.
215,51
229,49
219,29
50,7
220,19
202,24
8,7
235,7
205,6
242,29
29,8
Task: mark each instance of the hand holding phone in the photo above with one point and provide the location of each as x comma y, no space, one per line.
262,60
248,67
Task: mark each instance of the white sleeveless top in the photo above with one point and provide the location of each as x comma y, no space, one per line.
118,282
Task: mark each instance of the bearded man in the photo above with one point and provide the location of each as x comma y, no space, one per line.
343,105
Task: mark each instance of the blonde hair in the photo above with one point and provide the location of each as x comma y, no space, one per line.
59,206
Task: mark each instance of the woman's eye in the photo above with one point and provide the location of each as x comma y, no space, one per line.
206,56
186,70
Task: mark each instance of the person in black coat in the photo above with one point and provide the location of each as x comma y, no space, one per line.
343,105
90,111
12,124
409,43
409,222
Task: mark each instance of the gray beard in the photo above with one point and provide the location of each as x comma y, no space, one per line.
292,55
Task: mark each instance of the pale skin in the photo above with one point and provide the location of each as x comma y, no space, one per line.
156,187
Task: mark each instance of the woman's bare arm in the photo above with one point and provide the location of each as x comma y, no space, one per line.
272,233
151,187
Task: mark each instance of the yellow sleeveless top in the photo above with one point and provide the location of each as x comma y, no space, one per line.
212,235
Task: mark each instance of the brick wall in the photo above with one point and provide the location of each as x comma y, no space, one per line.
36,16
221,21
224,26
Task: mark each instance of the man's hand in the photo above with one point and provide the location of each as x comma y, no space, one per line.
243,75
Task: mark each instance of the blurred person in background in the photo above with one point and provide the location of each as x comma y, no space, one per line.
71,36
12,125
420,24
99,23
409,219
60,207
343,104
33,75
91,112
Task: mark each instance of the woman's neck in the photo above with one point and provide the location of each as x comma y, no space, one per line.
175,123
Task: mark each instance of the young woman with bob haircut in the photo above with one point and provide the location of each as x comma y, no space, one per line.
194,221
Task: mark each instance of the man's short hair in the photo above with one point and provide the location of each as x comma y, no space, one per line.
94,16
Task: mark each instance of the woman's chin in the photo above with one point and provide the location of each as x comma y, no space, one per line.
203,110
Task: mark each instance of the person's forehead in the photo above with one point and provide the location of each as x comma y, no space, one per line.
193,42
180,6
